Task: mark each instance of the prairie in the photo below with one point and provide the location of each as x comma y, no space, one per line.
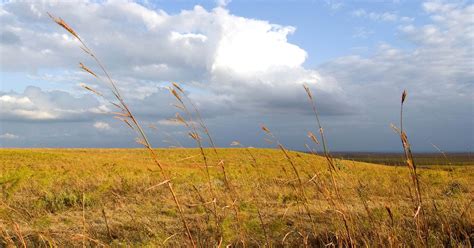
215,197
116,197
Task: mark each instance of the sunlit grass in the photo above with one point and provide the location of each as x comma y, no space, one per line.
42,194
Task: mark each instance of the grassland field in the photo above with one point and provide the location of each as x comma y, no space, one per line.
113,197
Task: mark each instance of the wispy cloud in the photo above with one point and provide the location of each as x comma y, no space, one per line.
334,5
103,126
362,32
8,136
380,16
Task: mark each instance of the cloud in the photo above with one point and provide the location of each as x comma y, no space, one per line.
227,57
334,5
437,73
223,3
35,104
239,71
248,47
103,126
9,136
439,65
362,33
380,16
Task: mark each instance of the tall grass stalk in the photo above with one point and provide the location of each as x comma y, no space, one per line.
128,117
204,128
419,215
332,167
180,95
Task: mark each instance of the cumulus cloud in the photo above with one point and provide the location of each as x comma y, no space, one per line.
222,55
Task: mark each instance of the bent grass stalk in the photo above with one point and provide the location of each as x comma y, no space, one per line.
126,116
180,95
203,127
194,134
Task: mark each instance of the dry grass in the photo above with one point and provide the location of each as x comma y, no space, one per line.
43,188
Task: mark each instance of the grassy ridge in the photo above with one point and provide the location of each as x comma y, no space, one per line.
70,197
421,159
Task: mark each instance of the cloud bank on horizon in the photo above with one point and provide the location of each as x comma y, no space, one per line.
240,71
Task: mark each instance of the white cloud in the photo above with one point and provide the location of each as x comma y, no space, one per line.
224,56
381,16
187,37
35,104
100,125
334,5
437,73
248,47
8,136
223,3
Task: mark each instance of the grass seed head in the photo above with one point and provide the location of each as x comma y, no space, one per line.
180,119
91,90
63,24
175,94
313,137
194,136
141,141
266,130
178,106
404,95
308,91
126,115
176,85
85,68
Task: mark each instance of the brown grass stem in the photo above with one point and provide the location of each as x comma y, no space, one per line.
127,113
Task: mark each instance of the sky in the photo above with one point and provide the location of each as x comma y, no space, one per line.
243,63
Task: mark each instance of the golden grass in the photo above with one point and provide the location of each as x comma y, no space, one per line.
42,201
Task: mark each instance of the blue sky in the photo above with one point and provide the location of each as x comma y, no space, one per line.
243,63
